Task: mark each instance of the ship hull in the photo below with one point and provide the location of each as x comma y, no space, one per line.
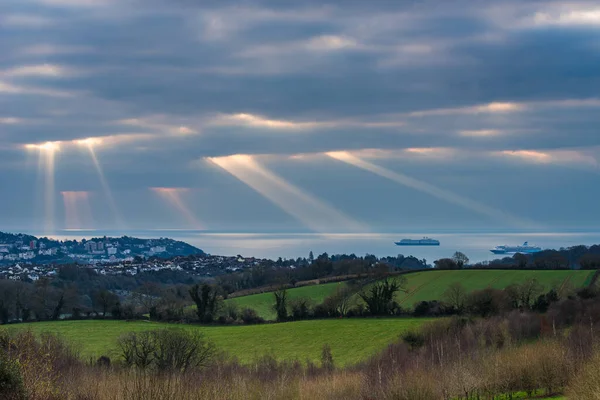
417,244
515,251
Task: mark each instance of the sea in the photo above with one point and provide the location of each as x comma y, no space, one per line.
476,245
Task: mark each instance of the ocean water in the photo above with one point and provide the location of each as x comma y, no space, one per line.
292,245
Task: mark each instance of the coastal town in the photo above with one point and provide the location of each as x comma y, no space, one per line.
25,257
26,248
202,265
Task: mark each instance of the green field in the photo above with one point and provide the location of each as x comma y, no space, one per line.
263,302
351,340
429,285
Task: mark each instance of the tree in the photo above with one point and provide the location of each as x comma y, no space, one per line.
104,300
58,308
41,299
147,295
456,296
280,305
528,292
590,261
487,302
206,299
460,259
341,300
6,300
521,260
379,299
445,263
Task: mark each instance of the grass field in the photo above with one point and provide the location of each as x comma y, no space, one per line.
351,340
263,302
429,285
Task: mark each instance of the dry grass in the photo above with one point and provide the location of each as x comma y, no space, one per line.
458,360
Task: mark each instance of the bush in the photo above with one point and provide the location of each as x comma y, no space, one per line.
585,384
301,308
11,381
250,316
327,358
231,311
429,308
172,349
413,339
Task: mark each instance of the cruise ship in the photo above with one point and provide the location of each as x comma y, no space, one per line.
418,242
526,248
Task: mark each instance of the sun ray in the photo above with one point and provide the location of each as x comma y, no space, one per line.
313,213
46,168
78,211
432,190
174,197
90,143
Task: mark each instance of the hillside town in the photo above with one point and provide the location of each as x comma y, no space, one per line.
21,248
202,265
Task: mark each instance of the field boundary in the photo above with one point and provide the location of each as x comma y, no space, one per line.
594,278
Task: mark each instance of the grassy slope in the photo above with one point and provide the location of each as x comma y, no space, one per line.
351,340
431,285
428,285
263,302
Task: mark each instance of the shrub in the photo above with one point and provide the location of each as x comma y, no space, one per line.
379,298
250,316
103,362
413,339
301,308
11,381
585,384
231,310
327,358
172,349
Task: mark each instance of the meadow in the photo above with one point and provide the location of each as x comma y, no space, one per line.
429,285
351,340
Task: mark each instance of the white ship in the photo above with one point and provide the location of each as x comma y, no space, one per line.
526,248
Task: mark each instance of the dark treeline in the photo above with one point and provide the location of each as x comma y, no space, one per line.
582,257
81,293
282,272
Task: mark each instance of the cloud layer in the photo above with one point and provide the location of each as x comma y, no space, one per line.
497,103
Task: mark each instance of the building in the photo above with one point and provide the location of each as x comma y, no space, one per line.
158,249
47,252
32,244
111,251
91,246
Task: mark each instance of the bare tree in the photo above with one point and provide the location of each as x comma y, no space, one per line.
147,296
460,259
456,296
173,349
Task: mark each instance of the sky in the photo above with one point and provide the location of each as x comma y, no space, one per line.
309,116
